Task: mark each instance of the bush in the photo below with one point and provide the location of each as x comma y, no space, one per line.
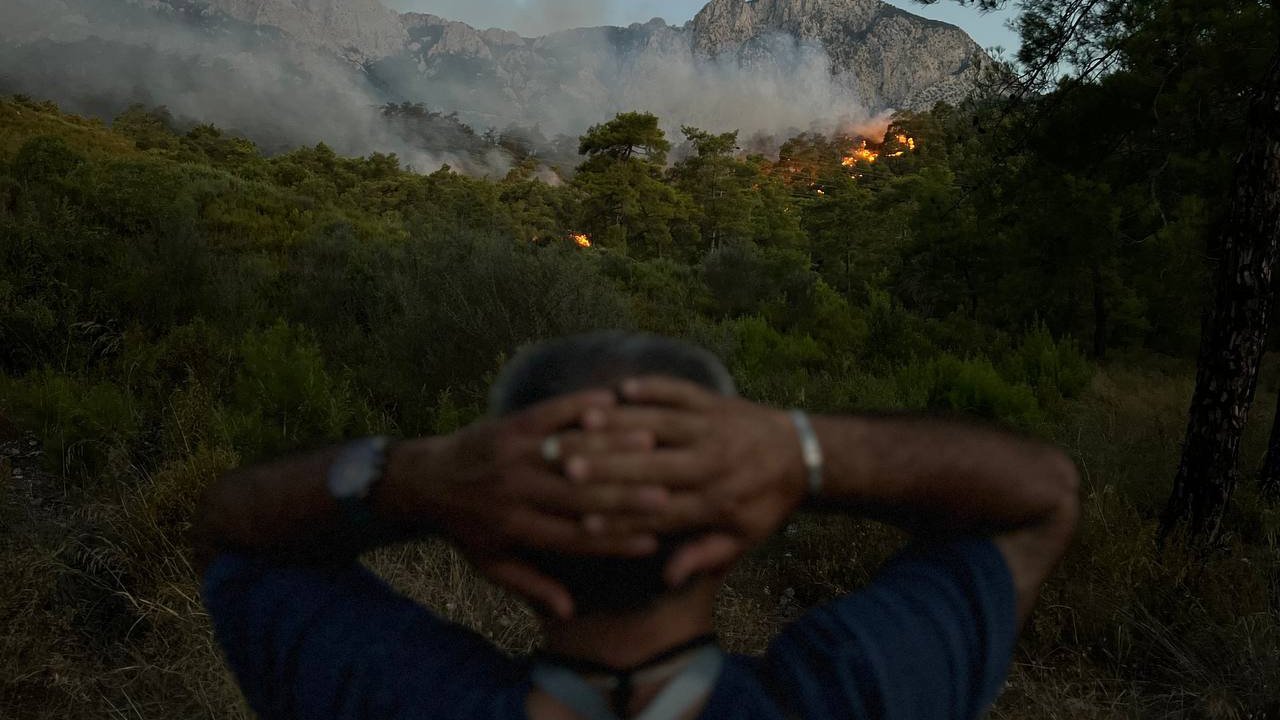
750,280
840,329
971,387
893,334
1054,368
282,396
768,365
45,160
86,427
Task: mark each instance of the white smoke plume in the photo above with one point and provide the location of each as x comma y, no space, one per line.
97,56
532,18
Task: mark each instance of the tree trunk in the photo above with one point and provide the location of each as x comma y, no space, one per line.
1234,329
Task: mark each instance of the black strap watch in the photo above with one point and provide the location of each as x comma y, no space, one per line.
353,475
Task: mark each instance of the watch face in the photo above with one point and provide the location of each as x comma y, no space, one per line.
346,479
357,467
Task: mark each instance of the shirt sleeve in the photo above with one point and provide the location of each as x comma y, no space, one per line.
931,637
338,643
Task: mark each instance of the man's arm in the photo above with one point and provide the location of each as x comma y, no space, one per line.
935,477
738,471
486,488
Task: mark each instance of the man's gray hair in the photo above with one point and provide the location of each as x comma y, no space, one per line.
601,359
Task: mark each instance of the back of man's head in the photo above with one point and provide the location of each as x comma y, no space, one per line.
603,360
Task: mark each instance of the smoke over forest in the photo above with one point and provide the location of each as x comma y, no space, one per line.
531,17
100,57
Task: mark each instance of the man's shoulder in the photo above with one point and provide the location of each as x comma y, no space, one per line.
745,689
938,619
307,638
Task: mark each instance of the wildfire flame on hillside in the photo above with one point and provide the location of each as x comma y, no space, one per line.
865,152
807,162
583,240
861,153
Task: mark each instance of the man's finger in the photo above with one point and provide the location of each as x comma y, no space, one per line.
556,447
537,589
706,554
551,493
562,412
622,498
603,498
674,468
540,531
576,442
668,426
659,390
683,512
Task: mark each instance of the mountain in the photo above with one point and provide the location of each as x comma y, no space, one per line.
360,30
887,56
294,72
871,55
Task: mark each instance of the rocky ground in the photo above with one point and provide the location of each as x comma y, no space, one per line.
26,488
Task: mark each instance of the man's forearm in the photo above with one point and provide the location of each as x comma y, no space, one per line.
936,476
284,508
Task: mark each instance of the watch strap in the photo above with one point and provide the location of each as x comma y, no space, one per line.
353,475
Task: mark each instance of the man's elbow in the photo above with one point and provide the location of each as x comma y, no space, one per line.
208,530
1064,514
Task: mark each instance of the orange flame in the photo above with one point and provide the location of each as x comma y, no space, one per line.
862,153
868,154
906,142
582,239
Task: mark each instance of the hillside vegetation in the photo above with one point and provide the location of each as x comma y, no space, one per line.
173,304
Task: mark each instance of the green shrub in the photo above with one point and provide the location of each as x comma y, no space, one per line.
1054,368
46,159
86,427
283,397
971,387
894,335
768,365
749,280
840,329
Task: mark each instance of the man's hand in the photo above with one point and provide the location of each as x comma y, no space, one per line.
734,468
490,489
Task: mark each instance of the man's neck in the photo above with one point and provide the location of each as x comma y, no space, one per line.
626,640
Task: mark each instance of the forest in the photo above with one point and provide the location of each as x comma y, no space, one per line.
175,302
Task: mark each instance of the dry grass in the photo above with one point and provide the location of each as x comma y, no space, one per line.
102,620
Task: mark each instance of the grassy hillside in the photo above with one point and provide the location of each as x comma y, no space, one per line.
174,304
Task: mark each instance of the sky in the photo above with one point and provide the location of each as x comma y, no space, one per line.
537,17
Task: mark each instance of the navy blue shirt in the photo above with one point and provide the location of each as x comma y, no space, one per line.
931,637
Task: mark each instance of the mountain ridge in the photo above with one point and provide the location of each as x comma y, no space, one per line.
882,56
287,73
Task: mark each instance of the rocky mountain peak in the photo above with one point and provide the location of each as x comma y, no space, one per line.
881,53
724,23
358,29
